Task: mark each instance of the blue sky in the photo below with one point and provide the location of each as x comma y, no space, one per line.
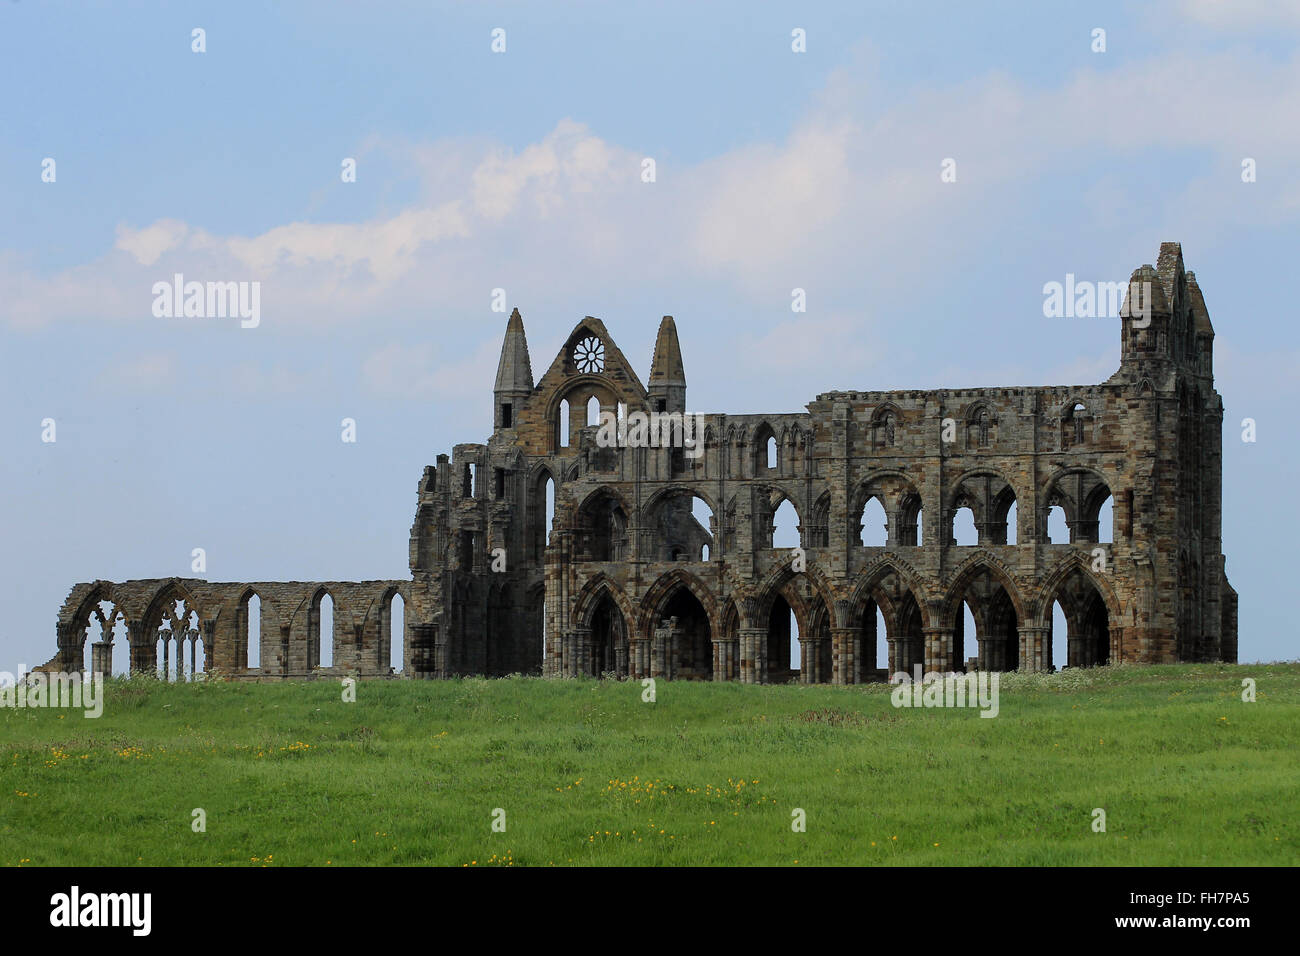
521,171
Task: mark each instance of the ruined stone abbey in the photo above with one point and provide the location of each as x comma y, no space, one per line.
661,563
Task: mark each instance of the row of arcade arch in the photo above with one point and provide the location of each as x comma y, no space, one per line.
1078,509
179,642
789,637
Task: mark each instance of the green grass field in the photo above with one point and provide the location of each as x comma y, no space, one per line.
586,773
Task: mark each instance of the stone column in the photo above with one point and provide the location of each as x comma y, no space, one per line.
751,640
441,665
1034,658
568,654
845,666
101,658
938,649
761,672
1116,642
724,658
208,629
672,640
1076,650
993,652
807,660
906,653
423,654
659,652
144,653
584,660
285,665
638,658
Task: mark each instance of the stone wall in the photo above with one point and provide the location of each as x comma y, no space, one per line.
626,581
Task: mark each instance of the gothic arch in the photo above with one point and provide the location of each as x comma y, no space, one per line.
981,424
589,597
342,611
662,589
170,590
886,421
584,386
966,572
1074,561
762,432
863,490
677,488
611,491
980,471
866,586
100,592
1081,503
774,583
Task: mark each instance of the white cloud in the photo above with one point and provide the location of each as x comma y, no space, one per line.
1242,14
148,244
849,201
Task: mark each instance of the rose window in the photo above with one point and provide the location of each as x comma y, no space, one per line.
589,355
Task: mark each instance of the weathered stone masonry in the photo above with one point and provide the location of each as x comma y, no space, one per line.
626,581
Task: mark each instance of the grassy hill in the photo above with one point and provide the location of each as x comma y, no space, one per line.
588,773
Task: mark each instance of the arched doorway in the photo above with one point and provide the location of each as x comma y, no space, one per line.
684,637
608,639
1081,622
782,642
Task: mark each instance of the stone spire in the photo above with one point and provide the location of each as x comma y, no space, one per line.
515,371
1201,324
667,388
666,368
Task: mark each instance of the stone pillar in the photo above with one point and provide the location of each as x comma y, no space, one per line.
938,649
638,658
660,652
209,631
906,653
751,641
285,665
845,647
1034,658
68,659
568,654
1076,650
101,658
584,660
1117,642
423,654
807,660
670,644
144,652
994,651
725,658
548,653
441,664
